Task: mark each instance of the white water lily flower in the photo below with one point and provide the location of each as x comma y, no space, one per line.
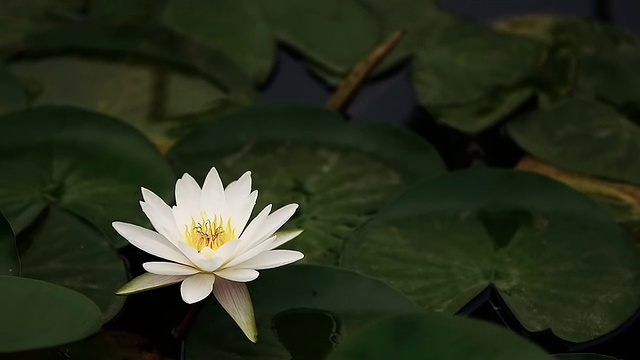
209,245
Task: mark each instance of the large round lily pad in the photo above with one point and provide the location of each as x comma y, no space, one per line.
9,260
436,336
302,312
235,27
65,250
583,136
339,173
468,62
85,163
558,260
36,314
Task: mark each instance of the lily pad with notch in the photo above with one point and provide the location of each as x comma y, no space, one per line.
556,258
302,312
338,173
88,164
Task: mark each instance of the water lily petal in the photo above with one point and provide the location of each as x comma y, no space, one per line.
148,281
271,259
235,300
238,275
150,242
241,257
169,268
197,287
242,213
255,224
274,221
188,193
160,215
236,192
283,237
212,191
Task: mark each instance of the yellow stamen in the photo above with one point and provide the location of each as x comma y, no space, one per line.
207,233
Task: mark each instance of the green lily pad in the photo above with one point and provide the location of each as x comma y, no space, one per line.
124,91
302,312
82,162
9,260
145,43
422,20
123,12
12,94
39,314
583,136
105,345
613,78
65,250
235,27
338,173
568,40
553,254
435,336
334,33
19,18
477,115
467,63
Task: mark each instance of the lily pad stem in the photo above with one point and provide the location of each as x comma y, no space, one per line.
352,83
181,331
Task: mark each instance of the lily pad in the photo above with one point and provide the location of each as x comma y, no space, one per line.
235,27
568,40
105,345
65,250
584,136
336,34
584,357
145,43
9,260
19,18
422,20
39,314
622,201
88,164
124,91
339,174
467,63
435,336
557,259
613,78
12,94
302,312
123,12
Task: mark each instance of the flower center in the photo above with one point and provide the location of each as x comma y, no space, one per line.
207,233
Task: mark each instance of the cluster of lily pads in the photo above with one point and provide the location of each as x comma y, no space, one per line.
101,98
